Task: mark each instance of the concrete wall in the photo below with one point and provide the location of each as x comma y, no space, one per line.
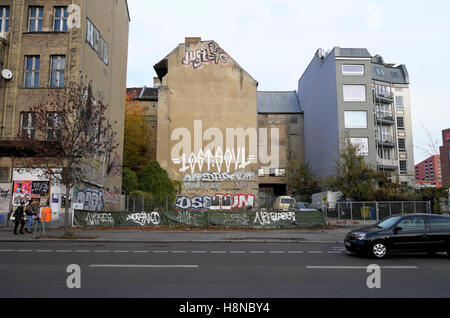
317,90
221,95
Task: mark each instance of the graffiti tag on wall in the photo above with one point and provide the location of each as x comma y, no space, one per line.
97,200
93,219
145,218
269,218
217,202
211,54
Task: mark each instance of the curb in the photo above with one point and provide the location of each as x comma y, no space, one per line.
172,241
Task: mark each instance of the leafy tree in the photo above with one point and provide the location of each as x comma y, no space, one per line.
71,135
137,136
354,178
154,180
129,181
302,181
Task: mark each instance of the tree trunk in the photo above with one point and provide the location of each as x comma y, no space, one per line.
66,210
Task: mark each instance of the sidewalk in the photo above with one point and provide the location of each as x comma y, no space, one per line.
326,235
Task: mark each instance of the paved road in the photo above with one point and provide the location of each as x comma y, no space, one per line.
213,270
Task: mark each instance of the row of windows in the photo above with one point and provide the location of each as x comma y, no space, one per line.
358,70
36,18
32,69
28,125
357,93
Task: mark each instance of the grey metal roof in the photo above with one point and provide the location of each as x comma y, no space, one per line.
278,103
395,75
352,52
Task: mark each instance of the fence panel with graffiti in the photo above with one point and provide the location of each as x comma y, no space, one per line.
250,219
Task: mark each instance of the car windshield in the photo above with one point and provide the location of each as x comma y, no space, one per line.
304,205
287,201
388,223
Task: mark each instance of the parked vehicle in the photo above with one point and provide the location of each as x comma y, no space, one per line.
284,203
306,207
403,233
326,199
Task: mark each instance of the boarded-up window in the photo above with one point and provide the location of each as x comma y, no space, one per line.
4,174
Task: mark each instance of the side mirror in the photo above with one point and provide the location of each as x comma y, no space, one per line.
398,229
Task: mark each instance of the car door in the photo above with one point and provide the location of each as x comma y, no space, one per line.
439,232
413,235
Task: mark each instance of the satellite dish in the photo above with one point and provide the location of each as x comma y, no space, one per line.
7,74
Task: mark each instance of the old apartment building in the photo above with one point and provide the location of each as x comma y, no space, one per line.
347,91
46,44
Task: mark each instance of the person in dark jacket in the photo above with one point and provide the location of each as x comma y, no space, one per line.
29,211
19,215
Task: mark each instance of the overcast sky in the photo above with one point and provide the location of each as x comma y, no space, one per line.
274,41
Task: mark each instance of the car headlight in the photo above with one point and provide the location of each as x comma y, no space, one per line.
361,236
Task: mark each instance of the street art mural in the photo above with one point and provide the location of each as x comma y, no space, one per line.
5,197
270,218
144,218
209,53
97,200
219,201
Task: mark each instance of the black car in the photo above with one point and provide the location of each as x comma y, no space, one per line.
403,233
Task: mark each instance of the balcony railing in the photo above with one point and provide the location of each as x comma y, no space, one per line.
385,117
387,164
384,97
387,141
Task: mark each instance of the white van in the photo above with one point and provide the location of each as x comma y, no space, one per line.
326,199
284,203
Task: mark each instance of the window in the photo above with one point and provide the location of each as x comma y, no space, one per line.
35,19
399,101
394,74
353,70
382,90
362,145
53,127
27,122
402,145
385,153
413,224
4,19
354,93
32,64
403,167
379,71
385,134
355,119
400,123
60,19
57,71
272,172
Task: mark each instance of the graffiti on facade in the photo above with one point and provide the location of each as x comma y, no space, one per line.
92,200
219,201
220,176
212,53
201,186
187,218
111,200
114,167
195,203
145,218
5,194
93,219
97,200
237,149
269,218
240,219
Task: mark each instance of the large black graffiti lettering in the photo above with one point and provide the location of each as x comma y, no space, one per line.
212,53
4,194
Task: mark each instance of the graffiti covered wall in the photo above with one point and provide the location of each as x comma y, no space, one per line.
5,197
97,200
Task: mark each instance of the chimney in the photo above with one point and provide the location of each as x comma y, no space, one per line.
189,40
156,82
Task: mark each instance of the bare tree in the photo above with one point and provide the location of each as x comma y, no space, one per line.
431,147
70,131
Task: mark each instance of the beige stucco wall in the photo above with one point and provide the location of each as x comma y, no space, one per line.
222,96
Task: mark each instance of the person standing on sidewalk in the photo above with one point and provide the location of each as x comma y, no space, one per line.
29,211
19,215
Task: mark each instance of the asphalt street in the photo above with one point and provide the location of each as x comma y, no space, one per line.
210,270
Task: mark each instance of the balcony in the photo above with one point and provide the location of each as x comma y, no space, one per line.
387,142
385,117
387,164
384,97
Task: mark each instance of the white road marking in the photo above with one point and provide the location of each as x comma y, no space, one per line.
140,252
102,251
360,267
160,251
276,252
198,252
121,251
295,252
315,252
335,252
218,252
238,252
179,252
24,251
7,251
257,252
82,251
44,251
144,266
63,251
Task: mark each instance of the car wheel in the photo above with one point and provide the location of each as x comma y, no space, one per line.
379,250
